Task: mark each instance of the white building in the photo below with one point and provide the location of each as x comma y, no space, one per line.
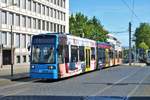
29,17
114,41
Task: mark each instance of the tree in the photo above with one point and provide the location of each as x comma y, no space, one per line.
91,28
142,45
142,34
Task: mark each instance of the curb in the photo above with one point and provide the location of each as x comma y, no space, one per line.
19,78
134,65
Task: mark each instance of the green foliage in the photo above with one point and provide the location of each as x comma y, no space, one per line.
143,46
142,34
80,25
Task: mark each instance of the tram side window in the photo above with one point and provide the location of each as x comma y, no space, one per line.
149,54
74,53
60,54
110,54
66,54
81,53
120,54
93,53
116,54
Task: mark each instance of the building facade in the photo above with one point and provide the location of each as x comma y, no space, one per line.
20,19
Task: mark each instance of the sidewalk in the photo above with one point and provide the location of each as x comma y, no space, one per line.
19,72
135,64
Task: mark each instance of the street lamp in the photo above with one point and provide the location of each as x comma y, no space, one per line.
11,36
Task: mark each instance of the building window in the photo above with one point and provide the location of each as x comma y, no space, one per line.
17,20
61,28
47,26
23,4
29,5
4,38
10,21
63,3
29,22
55,2
55,15
23,21
58,2
17,40
9,39
58,15
18,3
61,16
34,6
18,59
54,27
64,16
47,11
64,29
43,25
51,10
4,17
39,24
39,8
43,9
57,27
51,27
24,59
3,1
28,39
23,41
51,1
34,23
10,2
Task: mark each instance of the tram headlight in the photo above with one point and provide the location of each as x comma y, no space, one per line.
32,66
51,67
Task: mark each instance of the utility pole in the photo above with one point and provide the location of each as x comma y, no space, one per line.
130,44
12,52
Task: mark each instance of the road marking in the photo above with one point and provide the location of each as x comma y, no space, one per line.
137,86
108,87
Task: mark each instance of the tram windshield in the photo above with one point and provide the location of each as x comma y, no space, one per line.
43,54
43,50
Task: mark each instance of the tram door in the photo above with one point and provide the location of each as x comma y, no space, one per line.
88,59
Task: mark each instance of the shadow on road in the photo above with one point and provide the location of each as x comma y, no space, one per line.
132,83
30,97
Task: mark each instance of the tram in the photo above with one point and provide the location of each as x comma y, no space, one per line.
55,56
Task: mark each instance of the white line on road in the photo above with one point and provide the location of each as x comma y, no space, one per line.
108,87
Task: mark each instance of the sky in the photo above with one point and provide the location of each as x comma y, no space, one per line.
115,15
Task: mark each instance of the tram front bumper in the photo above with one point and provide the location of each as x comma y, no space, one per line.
37,75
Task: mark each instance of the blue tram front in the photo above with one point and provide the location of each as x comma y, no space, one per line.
43,57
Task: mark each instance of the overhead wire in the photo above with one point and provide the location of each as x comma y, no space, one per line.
131,9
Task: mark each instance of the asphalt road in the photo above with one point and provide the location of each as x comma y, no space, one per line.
116,83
